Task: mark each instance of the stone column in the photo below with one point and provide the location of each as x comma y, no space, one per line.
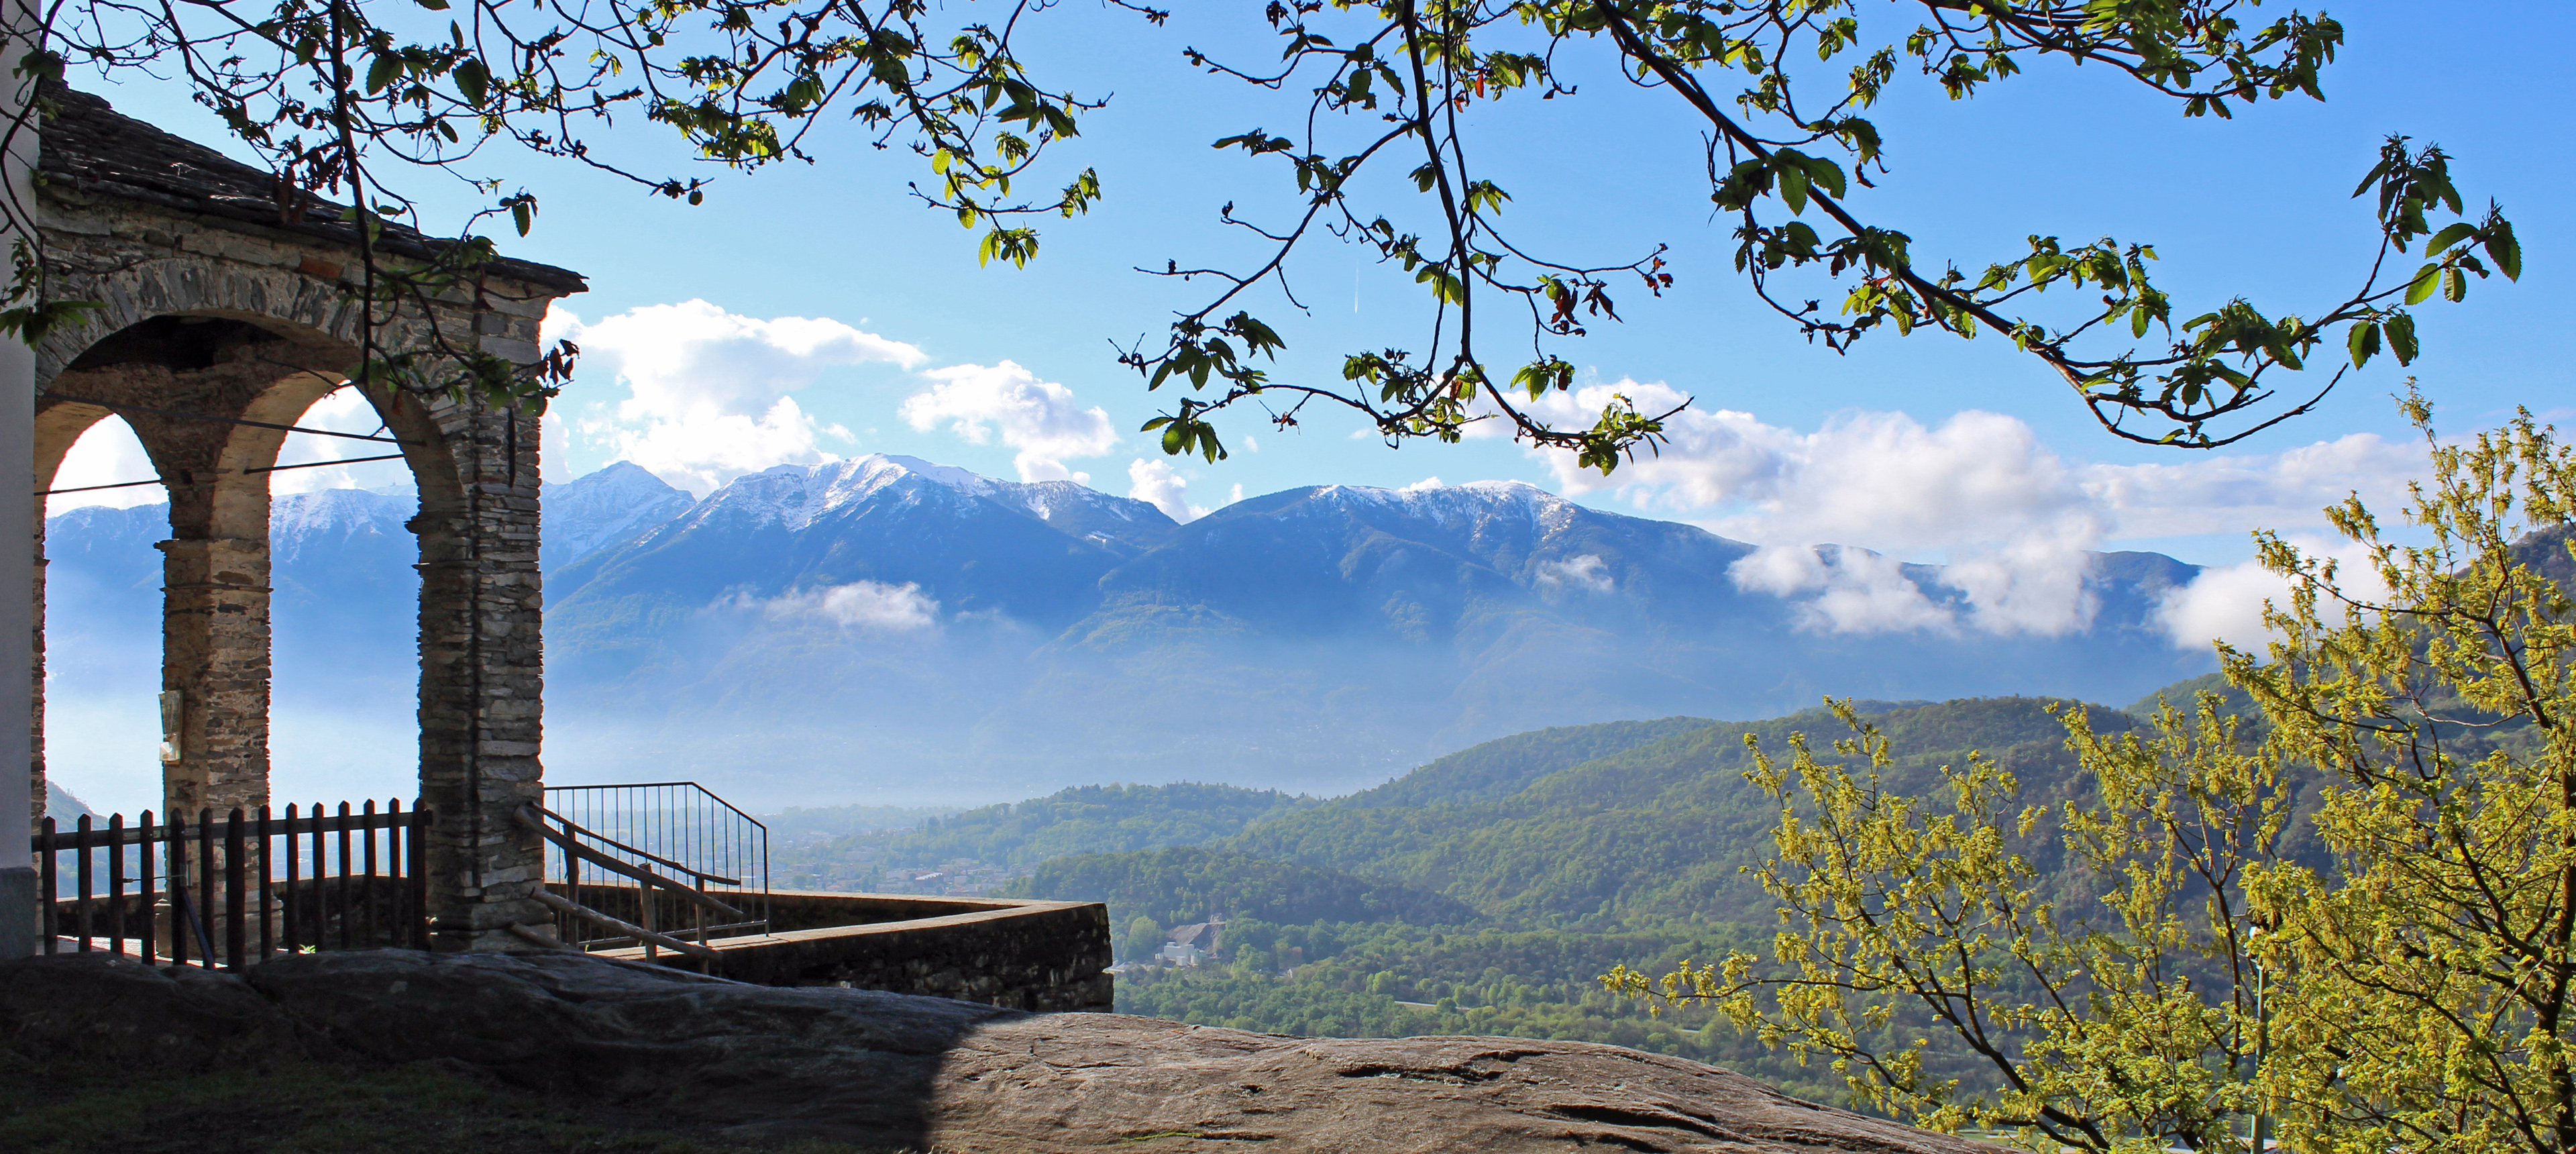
214,655
481,679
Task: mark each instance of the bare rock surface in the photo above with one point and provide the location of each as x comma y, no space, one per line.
923,1073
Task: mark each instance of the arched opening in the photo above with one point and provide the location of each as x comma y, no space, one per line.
100,588
344,611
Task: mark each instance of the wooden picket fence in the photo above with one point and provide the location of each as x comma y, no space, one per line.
236,889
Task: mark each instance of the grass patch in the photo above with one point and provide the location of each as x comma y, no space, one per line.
63,1106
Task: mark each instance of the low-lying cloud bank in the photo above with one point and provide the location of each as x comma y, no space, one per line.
867,606
2017,527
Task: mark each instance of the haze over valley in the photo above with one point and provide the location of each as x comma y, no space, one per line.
883,630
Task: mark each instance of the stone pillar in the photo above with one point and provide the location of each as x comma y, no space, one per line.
482,679
214,655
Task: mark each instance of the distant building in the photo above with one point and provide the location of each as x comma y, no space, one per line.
1193,943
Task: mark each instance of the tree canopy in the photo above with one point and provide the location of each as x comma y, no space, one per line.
341,96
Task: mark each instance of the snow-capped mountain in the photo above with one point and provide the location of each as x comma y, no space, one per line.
604,508
887,627
1027,552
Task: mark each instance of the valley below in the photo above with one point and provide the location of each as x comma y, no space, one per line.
1483,893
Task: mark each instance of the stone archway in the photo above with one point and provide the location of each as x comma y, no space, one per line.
222,322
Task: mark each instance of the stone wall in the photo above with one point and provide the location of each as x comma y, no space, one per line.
1024,955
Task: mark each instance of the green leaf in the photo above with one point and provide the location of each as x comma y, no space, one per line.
383,72
473,81
1826,174
2506,251
1793,189
2450,236
2363,341
2401,338
2428,280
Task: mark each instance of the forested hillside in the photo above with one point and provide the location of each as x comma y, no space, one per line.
1485,891
1648,833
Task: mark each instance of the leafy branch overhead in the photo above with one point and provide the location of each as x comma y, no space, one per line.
1790,153
1388,96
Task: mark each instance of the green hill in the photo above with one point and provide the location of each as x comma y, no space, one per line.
1506,765
1188,884
1648,833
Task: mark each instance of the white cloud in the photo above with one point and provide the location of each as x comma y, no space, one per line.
859,605
1587,573
1843,590
2014,522
344,411
1041,419
1156,484
2226,602
1424,485
706,390
106,454
1236,496
2279,491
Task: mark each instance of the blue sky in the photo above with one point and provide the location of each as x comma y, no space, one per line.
908,347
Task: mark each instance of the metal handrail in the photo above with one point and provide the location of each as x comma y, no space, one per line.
595,835
570,843
615,850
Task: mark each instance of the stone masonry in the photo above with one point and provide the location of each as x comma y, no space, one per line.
223,318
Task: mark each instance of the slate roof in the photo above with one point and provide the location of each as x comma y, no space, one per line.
91,149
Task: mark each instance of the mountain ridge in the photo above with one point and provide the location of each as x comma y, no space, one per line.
893,630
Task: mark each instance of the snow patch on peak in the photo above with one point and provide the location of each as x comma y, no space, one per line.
604,507
1432,498
963,480
300,520
795,496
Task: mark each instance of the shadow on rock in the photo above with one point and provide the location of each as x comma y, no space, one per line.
900,1071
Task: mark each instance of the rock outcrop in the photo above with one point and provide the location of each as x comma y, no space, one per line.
911,1072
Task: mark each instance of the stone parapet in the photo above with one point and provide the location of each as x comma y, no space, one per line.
1023,955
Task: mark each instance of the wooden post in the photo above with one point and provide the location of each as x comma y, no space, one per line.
116,883
46,875
80,837
143,834
267,892
174,861
348,912
236,894
367,838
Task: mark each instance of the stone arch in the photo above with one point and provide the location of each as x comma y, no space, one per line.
218,319
296,306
